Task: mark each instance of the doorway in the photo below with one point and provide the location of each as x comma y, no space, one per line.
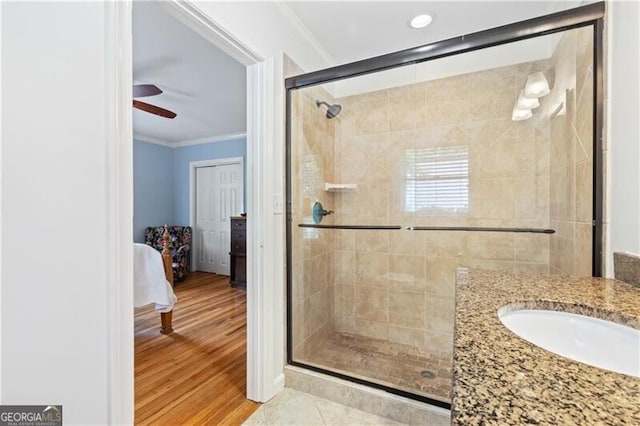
225,177
265,334
217,194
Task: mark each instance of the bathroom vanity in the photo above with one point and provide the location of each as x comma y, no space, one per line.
500,378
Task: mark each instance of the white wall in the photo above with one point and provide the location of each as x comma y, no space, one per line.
623,134
53,309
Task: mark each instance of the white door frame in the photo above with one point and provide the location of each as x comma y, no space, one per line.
265,294
193,165
119,202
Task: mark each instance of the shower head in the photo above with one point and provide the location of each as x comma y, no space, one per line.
332,110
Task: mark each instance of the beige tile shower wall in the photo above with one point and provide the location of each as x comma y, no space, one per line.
572,156
399,285
312,249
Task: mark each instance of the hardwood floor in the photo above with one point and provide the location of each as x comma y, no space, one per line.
197,374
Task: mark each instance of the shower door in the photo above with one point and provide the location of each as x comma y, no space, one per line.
399,177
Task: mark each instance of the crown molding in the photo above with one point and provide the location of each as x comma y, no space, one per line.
210,139
189,142
149,139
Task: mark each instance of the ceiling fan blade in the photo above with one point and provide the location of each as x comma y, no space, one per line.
142,90
153,109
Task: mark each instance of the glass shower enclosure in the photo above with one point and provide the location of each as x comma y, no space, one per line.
411,165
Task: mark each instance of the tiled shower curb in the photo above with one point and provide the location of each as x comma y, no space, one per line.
363,398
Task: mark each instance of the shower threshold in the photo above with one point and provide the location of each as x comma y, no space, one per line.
391,364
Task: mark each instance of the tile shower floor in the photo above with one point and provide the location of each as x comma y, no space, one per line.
394,364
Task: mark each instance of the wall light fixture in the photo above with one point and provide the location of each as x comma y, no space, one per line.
527,103
521,114
528,98
536,86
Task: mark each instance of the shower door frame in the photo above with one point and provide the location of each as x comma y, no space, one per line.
584,16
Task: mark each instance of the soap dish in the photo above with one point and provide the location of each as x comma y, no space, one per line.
340,187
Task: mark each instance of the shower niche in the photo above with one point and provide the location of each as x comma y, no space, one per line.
439,164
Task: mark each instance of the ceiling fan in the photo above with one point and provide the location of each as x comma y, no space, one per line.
142,90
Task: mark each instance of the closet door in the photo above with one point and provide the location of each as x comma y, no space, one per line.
218,197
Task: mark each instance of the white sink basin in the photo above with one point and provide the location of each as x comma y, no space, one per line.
593,341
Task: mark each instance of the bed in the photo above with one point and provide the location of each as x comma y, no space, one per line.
153,280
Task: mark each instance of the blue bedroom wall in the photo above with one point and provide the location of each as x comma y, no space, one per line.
153,187
182,156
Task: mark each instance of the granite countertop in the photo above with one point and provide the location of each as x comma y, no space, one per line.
499,378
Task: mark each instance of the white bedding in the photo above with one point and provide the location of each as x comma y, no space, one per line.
149,282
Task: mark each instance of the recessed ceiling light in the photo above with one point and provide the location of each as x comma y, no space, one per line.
421,21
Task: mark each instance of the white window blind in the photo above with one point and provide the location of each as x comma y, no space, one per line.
437,179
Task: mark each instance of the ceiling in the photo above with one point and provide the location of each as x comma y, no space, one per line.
206,87
353,30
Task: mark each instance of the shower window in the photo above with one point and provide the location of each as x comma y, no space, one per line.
407,158
437,179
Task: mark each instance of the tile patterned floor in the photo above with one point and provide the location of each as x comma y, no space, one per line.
292,407
385,362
